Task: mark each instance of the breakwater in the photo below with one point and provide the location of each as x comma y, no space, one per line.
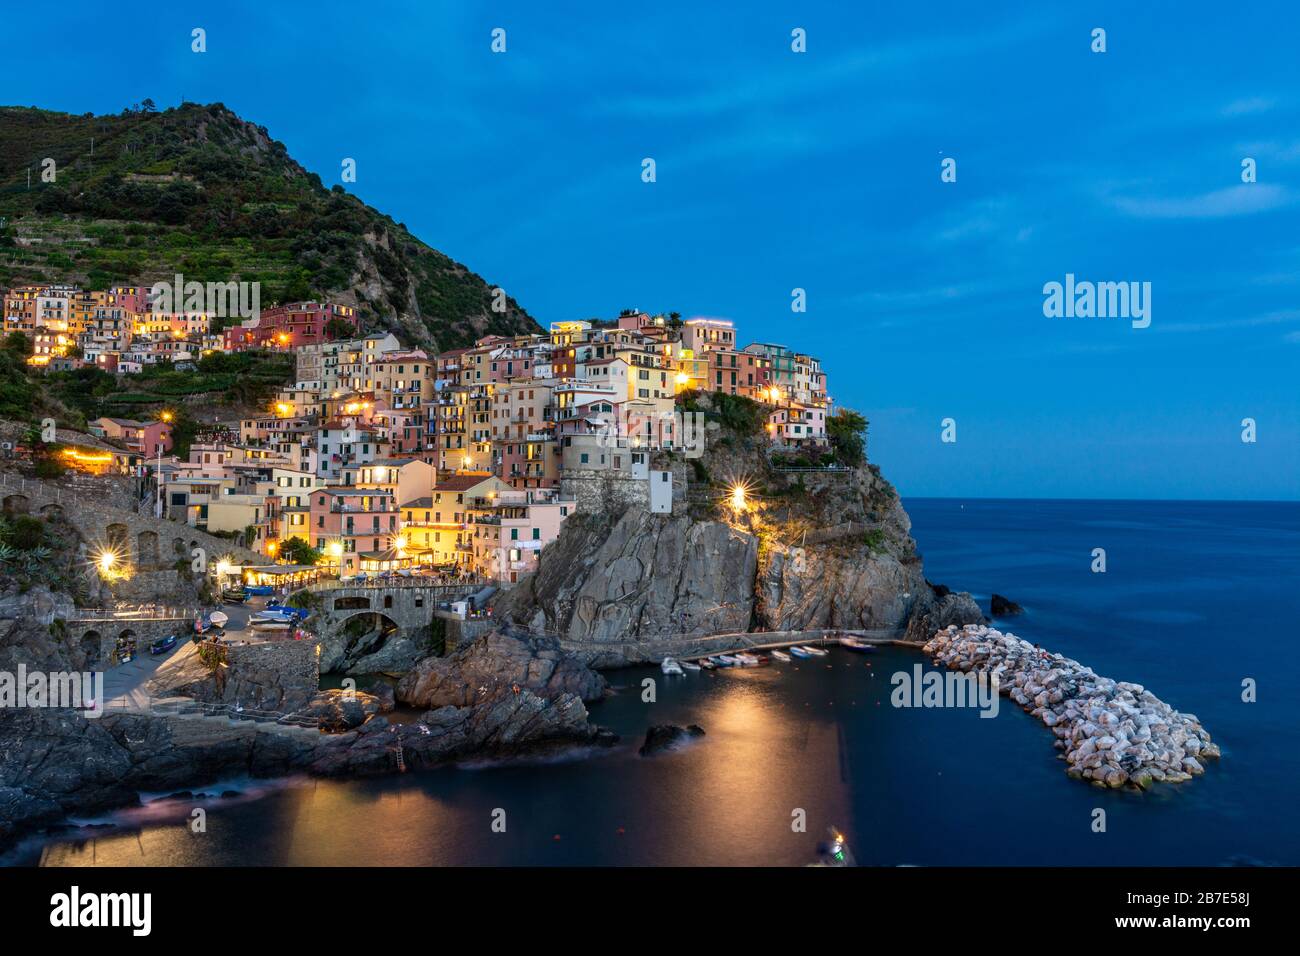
1113,733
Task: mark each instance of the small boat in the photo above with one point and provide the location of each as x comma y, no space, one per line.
835,851
271,626
708,663
856,644
726,660
815,651
689,665
272,617
781,656
670,666
800,653
747,660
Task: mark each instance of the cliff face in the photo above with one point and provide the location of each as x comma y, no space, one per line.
809,550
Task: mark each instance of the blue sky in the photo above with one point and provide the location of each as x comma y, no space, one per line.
821,170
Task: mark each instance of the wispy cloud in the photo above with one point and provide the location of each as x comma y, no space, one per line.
1249,106
1241,200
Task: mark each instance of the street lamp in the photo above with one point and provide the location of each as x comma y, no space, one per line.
738,502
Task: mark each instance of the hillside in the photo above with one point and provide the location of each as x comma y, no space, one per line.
197,190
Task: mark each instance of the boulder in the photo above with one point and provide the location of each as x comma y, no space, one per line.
1001,606
495,665
663,737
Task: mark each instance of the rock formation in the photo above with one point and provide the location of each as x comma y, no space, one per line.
1000,606
1113,733
496,697
663,737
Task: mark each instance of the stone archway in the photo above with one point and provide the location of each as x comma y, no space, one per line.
146,543
365,633
352,604
125,647
51,511
119,541
92,650
16,504
178,548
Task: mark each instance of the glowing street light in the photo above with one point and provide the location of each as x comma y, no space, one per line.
106,561
738,502
166,416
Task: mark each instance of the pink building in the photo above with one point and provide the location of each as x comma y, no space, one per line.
354,527
289,326
148,438
510,529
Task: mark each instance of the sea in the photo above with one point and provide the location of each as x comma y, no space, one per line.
1198,601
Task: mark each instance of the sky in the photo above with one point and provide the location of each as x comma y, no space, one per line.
821,170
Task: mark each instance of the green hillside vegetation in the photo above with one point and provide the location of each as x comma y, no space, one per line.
197,190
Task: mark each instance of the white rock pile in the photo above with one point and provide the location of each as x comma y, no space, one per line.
1113,733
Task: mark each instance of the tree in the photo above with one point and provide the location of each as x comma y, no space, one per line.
337,328
147,105
847,431
19,344
297,551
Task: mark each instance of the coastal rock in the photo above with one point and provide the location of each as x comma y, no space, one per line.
339,710
497,665
663,737
1115,733
620,586
1001,606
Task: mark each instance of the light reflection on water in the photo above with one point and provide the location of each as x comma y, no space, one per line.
927,787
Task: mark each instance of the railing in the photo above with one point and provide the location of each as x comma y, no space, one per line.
141,613
180,708
686,645
399,582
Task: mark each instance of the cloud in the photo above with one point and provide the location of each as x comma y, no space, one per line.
1241,200
1268,318
1250,106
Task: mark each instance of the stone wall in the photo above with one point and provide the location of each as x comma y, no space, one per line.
603,491
142,541
461,632
97,641
272,675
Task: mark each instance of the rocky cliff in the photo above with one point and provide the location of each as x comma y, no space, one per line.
807,550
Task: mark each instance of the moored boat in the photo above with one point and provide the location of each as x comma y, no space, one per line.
747,660
689,665
800,653
781,656
708,663
815,651
670,666
856,644
726,660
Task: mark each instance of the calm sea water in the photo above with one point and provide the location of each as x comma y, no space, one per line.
1196,597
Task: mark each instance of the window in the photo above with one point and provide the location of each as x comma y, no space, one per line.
537,534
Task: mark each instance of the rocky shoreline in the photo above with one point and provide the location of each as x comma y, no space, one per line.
1113,733
498,697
